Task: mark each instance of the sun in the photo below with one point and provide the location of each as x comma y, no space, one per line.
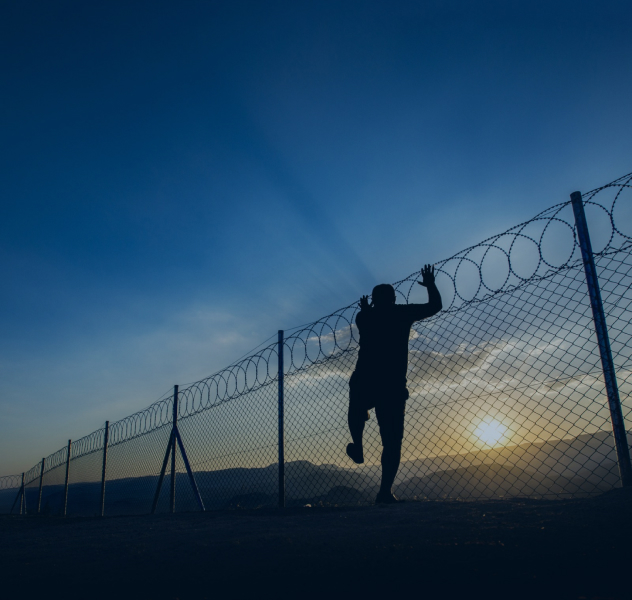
490,432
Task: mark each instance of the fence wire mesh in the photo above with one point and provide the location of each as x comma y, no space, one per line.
507,395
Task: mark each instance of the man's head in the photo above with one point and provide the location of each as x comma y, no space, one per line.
383,295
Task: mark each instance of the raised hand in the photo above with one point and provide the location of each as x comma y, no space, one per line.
364,303
427,275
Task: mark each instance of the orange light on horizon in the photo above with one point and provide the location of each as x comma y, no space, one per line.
490,432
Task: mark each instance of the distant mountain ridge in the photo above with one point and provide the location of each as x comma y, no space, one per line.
578,466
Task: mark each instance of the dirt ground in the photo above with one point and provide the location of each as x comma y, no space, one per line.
579,549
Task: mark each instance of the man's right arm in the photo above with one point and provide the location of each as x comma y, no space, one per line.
364,309
434,304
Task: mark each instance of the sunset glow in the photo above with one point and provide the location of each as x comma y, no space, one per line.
490,432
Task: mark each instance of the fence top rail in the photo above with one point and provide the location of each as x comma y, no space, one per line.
530,251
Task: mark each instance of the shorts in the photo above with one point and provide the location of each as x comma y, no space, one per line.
388,400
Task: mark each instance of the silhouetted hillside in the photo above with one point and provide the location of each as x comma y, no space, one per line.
579,466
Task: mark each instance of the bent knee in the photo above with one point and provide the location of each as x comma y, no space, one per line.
358,413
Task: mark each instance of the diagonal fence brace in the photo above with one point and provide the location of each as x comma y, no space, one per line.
175,440
196,491
162,473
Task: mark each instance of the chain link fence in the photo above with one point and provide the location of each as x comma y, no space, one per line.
507,395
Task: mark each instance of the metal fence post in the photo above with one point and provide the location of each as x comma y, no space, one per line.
106,436
39,495
281,425
172,502
22,498
67,472
607,364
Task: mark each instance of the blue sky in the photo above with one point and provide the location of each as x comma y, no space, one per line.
180,180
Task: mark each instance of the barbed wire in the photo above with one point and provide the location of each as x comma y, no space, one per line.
8,482
532,251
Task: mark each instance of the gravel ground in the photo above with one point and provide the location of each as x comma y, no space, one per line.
577,549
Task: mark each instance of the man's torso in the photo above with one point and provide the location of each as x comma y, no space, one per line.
383,354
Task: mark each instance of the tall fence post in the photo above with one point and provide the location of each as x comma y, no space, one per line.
607,364
172,499
39,494
281,425
106,436
22,498
67,473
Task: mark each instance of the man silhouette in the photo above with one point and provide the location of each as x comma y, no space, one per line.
379,379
